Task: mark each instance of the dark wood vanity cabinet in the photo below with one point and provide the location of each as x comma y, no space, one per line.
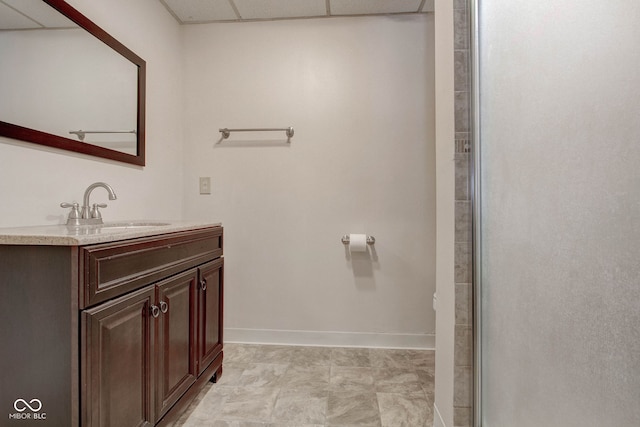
176,367
146,335
119,351
138,353
209,332
144,350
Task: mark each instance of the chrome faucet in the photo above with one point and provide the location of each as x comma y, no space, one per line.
94,212
89,214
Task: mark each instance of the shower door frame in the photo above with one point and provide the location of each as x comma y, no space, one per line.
476,218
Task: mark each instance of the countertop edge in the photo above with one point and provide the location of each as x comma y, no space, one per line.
61,235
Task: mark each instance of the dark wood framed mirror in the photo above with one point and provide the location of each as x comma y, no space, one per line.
66,83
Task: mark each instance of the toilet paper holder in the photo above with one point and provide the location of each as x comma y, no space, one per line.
370,240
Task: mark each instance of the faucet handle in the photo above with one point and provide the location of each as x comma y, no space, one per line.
95,211
75,212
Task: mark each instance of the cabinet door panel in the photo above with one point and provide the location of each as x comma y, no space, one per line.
176,339
210,297
118,364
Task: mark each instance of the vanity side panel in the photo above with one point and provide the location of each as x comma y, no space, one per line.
39,330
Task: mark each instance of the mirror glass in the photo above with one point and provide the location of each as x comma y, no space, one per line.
66,83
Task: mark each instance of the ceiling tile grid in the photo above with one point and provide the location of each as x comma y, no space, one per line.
192,11
279,9
373,7
199,11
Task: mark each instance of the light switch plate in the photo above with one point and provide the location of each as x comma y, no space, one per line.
205,185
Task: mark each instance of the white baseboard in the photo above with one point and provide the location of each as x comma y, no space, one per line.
437,418
330,339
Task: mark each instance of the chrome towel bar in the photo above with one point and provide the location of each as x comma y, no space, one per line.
226,132
82,133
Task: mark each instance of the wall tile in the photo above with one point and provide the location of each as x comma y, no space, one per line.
462,177
460,4
462,416
461,67
463,350
463,346
461,29
464,304
463,268
462,111
463,135
463,221
462,386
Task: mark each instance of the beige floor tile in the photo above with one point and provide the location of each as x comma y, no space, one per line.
274,354
358,357
301,407
354,408
345,378
387,358
305,378
311,356
404,410
397,380
287,386
248,404
240,353
262,375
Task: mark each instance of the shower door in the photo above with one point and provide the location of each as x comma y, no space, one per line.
557,115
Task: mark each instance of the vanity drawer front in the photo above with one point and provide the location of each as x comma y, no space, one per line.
113,269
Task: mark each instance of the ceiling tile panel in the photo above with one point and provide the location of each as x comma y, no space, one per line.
367,7
274,9
189,11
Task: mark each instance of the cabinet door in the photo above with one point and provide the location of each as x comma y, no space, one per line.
176,363
117,362
210,297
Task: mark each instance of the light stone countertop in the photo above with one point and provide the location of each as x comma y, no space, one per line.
62,235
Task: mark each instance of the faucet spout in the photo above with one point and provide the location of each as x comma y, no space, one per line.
86,214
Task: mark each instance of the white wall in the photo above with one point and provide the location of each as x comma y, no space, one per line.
560,93
359,93
34,180
445,136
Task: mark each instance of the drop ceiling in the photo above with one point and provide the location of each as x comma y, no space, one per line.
34,14
201,11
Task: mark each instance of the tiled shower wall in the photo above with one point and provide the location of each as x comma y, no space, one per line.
463,350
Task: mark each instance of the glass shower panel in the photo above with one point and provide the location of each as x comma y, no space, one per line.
559,202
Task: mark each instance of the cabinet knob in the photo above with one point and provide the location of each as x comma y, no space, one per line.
164,307
155,311
203,284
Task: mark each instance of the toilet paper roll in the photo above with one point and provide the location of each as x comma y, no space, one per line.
357,242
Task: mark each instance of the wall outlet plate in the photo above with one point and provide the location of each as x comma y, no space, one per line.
205,185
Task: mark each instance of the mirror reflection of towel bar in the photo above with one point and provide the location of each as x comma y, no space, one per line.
82,133
226,132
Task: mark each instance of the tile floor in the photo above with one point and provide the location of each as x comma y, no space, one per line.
283,386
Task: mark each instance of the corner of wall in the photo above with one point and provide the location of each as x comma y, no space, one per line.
454,323
445,215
